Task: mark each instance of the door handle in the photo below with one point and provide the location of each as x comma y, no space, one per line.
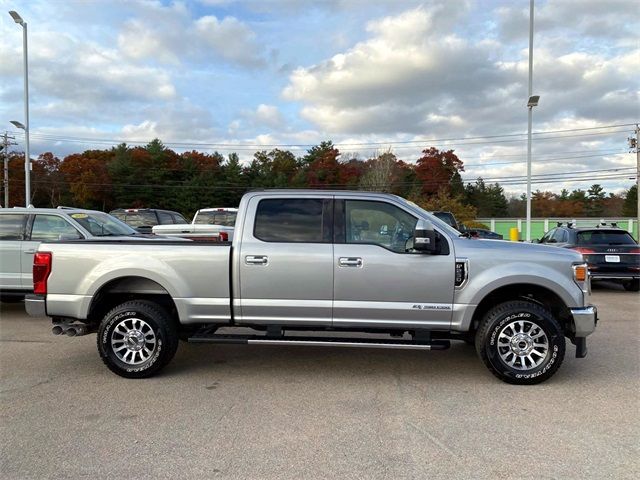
29,252
256,259
350,262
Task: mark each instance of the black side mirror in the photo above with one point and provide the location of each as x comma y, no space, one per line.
424,237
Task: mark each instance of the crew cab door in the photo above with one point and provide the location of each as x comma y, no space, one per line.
12,227
377,281
285,261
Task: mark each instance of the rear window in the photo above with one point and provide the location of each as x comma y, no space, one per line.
599,237
139,219
11,226
226,219
291,220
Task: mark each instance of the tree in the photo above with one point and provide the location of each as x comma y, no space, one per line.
442,201
489,200
437,170
630,206
379,173
595,204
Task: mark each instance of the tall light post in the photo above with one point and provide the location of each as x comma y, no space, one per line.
533,101
27,160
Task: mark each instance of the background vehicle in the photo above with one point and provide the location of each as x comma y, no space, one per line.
610,252
312,262
216,224
449,218
22,230
481,233
143,219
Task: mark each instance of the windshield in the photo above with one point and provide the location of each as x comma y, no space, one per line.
599,237
435,220
102,224
226,219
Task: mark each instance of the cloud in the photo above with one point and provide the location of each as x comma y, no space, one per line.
266,116
170,35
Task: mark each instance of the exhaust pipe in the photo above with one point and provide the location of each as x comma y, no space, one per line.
71,331
77,330
57,330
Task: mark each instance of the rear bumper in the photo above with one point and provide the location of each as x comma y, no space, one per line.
614,275
35,305
585,320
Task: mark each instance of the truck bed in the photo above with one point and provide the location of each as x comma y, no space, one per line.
195,274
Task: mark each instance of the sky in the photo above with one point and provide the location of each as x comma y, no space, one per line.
369,75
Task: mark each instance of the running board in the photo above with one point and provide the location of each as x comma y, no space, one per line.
322,342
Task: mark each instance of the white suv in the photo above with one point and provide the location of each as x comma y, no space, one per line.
22,230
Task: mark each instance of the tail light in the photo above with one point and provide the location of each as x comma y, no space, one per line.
41,271
634,250
224,236
583,250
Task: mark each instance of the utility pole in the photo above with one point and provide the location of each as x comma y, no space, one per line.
5,154
634,143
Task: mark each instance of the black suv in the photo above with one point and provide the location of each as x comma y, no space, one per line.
610,252
144,219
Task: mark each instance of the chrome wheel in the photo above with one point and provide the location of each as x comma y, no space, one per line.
523,345
133,341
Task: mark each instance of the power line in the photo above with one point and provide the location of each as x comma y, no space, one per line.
407,143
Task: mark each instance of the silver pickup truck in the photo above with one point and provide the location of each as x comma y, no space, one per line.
320,268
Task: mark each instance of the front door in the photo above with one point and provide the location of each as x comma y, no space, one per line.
378,280
12,227
285,264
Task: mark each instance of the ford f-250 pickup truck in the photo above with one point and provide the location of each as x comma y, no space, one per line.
321,268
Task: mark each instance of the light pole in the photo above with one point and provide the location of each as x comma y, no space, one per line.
27,160
533,101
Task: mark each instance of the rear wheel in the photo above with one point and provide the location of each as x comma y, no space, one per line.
520,342
137,339
632,286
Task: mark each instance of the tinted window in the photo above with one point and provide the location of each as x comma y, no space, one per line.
226,219
102,225
547,236
140,219
379,223
11,226
291,220
560,235
50,228
599,237
165,218
177,218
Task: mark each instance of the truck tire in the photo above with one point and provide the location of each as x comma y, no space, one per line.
520,342
137,339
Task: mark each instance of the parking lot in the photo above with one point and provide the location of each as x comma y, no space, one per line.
274,412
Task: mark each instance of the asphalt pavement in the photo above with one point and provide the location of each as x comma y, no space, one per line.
260,412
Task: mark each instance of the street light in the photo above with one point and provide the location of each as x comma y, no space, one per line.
27,161
533,101
17,124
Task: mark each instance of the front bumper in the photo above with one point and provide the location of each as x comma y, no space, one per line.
585,320
35,305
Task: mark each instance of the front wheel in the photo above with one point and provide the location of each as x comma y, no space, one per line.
520,342
137,339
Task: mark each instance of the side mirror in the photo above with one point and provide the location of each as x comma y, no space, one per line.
553,240
424,237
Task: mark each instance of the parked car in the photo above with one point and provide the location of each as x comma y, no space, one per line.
610,252
323,264
216,224
481,233
22,230
143,219
449,218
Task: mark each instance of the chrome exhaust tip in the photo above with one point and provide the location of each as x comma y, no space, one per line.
57,330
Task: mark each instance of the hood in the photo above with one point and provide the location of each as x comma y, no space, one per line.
509,250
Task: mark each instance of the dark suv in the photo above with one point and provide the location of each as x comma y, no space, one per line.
610,252
143,219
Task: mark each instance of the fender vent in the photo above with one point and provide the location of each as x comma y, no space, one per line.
462,272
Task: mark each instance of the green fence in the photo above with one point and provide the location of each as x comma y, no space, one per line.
539,226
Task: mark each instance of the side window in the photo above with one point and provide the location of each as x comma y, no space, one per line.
293,220
165,218
177,218
49,228
11,226
379,223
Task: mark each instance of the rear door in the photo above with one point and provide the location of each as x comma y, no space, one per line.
12,226
285,261
43,228
378,281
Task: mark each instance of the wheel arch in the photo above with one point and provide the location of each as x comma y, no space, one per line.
528,292
130,287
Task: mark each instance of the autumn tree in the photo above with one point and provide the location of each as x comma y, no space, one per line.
437,170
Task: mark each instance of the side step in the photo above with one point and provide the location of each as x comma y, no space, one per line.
320,341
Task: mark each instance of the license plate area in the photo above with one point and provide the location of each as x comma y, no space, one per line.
612,258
